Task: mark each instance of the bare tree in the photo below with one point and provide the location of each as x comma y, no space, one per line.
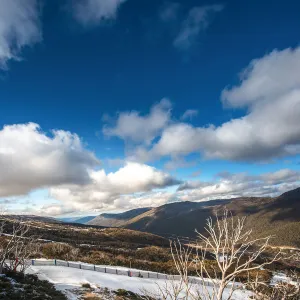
287,288
233,253
166,290
16,246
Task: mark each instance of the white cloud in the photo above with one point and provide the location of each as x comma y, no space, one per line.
189,114
281,176
108,191
121,202
93,12
52,210
228,185
178,163
133,127
29,159
266,78
152,199
270,129
98,197
193,184
19,27
198,19
133,177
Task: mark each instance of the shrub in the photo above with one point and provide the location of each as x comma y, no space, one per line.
154,254
60,251
16,286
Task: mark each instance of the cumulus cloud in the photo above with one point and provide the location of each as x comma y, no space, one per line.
30,159
267,78
93,12
193,184
151,199
198,19
228,185
52,210
134,127
281,176
270,128
121,202
107,191
19,27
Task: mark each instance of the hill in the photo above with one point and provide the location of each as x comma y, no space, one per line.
80,234
34,218
165,220
117,220
77,220
278,216
272,216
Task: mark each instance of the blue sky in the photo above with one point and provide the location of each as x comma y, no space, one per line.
150,101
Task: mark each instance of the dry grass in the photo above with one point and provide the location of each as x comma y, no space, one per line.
91,296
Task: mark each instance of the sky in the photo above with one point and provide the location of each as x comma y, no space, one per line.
110,105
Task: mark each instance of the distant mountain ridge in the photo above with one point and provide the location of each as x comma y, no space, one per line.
159,219
77,220
278,216
117,220
33,218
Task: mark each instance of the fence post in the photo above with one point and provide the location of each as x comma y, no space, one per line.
68,264
94,268
148,275
55,262
32,262
79,266
105,270
157,275
117,271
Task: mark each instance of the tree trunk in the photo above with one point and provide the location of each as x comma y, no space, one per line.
220,291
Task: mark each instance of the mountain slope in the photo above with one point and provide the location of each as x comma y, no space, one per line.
278,216
178,218
117,220
84,220
81,234
77,220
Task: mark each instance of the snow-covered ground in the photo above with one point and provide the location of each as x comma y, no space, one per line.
282,277
68,279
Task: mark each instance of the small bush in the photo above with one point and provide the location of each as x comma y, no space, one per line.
60,251
16,286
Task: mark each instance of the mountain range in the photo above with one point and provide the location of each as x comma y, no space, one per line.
277,216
